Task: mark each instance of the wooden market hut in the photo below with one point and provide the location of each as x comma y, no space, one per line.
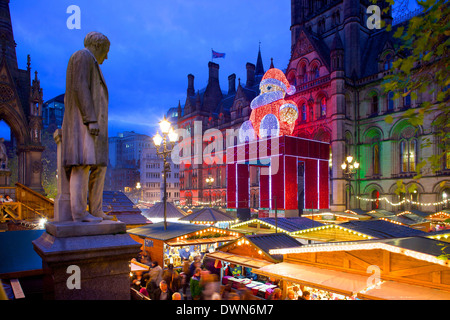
163,245
402,268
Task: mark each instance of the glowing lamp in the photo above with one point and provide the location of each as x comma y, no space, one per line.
349,159
165,126
343,166
173,136
157,139
356,165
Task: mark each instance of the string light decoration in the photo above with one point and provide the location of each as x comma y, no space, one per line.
404,201
245,223
350,246
330,226
271,102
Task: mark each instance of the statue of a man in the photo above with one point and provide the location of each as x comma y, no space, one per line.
85,129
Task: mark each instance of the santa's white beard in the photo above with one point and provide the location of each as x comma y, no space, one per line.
266,98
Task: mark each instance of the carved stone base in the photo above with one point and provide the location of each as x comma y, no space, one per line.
102,261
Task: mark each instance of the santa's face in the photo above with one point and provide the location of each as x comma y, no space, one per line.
269,87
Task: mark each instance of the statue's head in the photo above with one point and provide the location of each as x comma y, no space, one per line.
98,44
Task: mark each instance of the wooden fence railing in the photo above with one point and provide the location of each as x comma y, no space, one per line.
27,204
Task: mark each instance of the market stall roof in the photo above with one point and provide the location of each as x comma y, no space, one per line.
157,211
344,215
16,252
267,242
325,279
379,213
382,229
442,235
287,225
238,259
132,219
357,212
415,212
174,230
208,215
417,218
117,202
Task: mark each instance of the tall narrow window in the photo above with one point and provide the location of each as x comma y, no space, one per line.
390,101
407,100
376,159
374,105
303,110
408,155
412,155
388,62
304,74
323,107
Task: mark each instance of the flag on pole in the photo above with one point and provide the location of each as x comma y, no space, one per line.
216,55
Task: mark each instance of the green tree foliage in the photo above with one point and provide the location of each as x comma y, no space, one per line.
422,65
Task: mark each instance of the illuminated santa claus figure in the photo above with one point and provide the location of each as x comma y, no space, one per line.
271,115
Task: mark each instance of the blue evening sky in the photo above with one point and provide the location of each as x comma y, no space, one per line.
155,44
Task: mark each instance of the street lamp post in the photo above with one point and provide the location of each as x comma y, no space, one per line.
349,167
168,136
210,181
138,187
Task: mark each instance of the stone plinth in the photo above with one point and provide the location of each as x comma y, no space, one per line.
101,251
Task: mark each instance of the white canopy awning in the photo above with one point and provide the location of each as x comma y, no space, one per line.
391,290
330,280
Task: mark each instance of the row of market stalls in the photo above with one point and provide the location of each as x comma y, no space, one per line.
355,255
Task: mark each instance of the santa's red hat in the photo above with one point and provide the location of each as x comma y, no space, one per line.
276,77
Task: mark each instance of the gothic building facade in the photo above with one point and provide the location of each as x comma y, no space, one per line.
337,65
211,109
21,101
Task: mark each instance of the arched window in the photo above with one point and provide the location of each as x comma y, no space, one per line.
304,74
374,105
390,101
323,107
303,111
408,155
314,72
388,62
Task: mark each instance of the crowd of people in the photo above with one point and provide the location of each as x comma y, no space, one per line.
194,282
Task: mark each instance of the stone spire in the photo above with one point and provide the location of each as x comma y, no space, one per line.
7,43
259,70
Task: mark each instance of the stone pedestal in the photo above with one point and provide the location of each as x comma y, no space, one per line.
95,256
